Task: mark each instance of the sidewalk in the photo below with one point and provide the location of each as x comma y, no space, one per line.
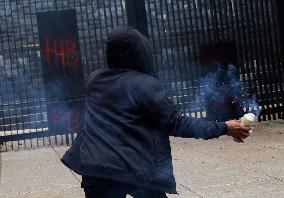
209,169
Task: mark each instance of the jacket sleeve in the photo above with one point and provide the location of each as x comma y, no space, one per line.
151,98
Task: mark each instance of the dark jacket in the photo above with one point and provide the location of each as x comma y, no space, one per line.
128,120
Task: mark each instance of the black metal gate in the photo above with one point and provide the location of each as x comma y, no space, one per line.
178,29
23,113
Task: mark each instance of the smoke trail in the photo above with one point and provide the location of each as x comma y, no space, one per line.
224,96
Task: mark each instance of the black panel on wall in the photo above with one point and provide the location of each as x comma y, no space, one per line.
62,70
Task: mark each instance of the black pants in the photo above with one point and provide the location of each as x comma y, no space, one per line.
104,188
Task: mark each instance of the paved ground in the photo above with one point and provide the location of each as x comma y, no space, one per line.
215,168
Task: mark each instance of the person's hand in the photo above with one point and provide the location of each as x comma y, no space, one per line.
236,130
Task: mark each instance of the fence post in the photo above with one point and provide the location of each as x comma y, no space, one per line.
280,7
281,23
136,15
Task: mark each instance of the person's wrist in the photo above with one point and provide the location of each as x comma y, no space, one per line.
224,128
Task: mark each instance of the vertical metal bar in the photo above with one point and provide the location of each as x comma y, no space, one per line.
171,49
72,134
265,69
110,13
276,60
41,3
253,53
265,51
85,51
271,67
189,56
230,32
165,48
159,49
47,6
236,36
153,39
211,20
10,57
227,36
246,52
196,24
270,63
101,33
164,45
207,24
90,42
122,10
176,59
55,5
70,7
198,69
116,12
7,90
264,95
190,17
24,72
220,21
96,36
66,134
56,141
277,7
136,15
184,71
3,117
198,8
256,51
215,20
241,42
253,49
194,63
202,17
37,63
61,135
105,18
29,57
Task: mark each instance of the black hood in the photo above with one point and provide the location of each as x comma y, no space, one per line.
127,48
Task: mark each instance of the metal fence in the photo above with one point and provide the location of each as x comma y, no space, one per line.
178,30
23,112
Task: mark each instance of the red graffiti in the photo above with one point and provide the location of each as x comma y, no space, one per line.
62,52
70,120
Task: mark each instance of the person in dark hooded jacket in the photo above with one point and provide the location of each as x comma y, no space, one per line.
125,148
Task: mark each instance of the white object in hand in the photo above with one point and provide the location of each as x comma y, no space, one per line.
247,120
